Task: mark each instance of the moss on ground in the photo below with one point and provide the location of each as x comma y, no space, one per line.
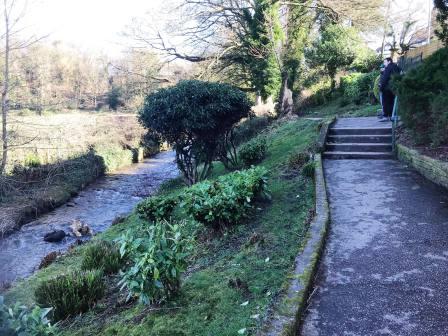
207,303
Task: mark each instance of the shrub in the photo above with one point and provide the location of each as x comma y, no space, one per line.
102,255
297,160
71,293
318,94
358,87
253,151
226,201
157,207
158,258
250,128
20,320
32,161
308,169
196,118
423,94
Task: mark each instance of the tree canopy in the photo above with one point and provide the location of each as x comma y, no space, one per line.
195,117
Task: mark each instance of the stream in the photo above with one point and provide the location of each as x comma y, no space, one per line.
97,206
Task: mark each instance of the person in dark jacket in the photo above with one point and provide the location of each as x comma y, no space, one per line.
388,98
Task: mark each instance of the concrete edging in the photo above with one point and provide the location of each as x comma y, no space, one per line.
434,170
286,315
323,134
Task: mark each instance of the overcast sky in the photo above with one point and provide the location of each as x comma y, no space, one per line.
96,25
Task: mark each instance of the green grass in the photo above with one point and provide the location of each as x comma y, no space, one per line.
334,108
207,304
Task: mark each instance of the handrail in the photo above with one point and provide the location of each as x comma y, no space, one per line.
394,121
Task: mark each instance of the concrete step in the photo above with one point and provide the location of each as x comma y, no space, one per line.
359,139
359,147
358,155
361,131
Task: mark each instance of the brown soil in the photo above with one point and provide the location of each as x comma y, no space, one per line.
438,153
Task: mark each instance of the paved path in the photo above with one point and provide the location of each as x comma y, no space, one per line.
385,269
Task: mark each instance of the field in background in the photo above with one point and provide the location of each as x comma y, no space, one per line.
54,156
40,140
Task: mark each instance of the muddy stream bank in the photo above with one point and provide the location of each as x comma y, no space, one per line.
97,206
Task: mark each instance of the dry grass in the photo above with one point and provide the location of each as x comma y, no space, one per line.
51,138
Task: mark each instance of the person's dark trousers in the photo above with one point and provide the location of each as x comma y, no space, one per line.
388,103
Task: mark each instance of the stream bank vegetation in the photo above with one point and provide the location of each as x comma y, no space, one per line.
216,264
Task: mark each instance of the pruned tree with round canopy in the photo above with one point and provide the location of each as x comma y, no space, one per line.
197,119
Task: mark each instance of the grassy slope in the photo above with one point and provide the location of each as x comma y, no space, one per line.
207,305
334,108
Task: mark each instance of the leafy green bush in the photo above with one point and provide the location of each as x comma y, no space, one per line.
308,169
158,257
71,293
358,87
318,94
423,96
226,201
197,119
32,161
102,255
157,207
20,320
253,151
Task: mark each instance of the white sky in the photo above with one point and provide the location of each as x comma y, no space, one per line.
91,25
96,25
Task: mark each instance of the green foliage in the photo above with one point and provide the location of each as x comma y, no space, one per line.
336,48
102,255
151,143
71,293
264,33
308,169
366,60
195,117
442,19
319,93
423,95
376,88
358,87
297,160
253,151
250,128
114,98
157,208
158,257
32,161
114,156
22,321
227,200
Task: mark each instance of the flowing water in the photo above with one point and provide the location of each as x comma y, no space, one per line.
97,206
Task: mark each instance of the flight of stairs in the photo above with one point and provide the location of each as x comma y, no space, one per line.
359,142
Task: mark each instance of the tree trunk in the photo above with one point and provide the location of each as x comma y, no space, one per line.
4,99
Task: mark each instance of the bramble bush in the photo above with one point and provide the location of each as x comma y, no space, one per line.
71,293
158,258
102,255
226,201
23,321
157,207
423,99
254,151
